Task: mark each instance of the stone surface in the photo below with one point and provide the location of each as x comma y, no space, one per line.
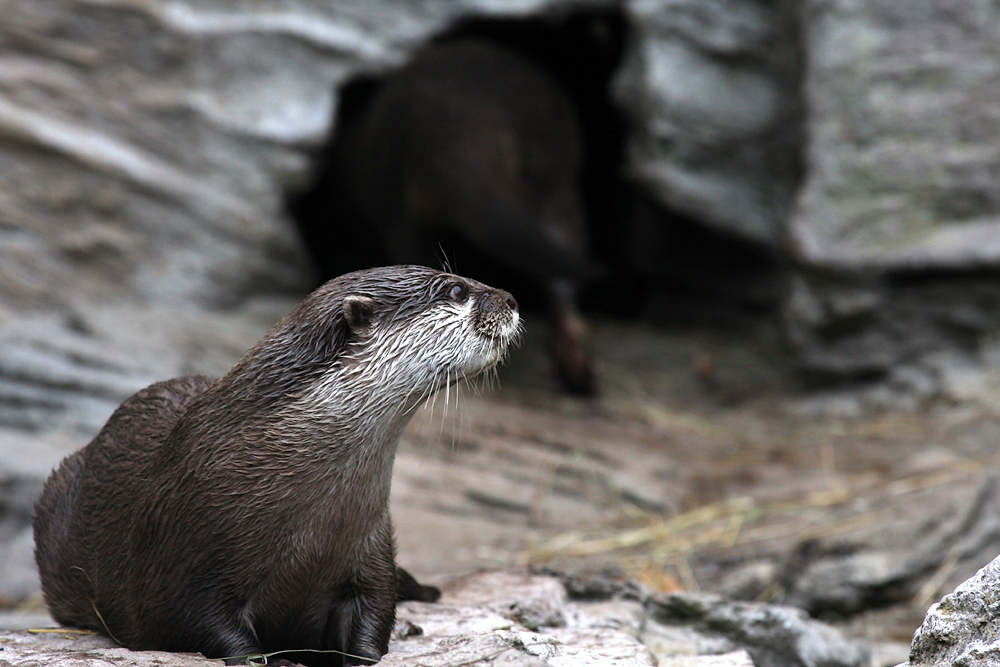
711,90
964,627
146,149
881,575
65,372
772,635
480,620
903,115
902,167
61,376
925,337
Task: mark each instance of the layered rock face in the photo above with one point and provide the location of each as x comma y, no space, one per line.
523,620
712,93
147,148
896,222
856,139
903,126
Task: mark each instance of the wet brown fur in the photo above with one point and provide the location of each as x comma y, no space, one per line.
250,514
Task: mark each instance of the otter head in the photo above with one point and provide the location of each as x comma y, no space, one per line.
415,330
352,360
371,344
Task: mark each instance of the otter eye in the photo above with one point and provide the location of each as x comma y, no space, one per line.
458,292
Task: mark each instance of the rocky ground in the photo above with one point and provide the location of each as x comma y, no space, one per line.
704,466
525,620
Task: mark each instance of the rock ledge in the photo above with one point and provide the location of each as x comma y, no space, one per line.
519,618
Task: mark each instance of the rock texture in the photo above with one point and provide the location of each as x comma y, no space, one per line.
903,158
62,375
964,627
902,166
926,336
146,148
772,635
146,152
516,618
18,490
711,90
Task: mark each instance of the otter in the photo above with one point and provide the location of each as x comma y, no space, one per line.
249,514
472,144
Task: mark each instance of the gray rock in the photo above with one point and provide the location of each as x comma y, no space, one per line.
24,620
734,659
146,151
472,624
68,372
62,376
750,581
848,579
902,160
773,635
901,168
901,172
848,584
147,148
23,649
711,91
924,337
964,627
18,576
24,464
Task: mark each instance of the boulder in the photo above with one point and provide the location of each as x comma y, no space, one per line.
773,635
964,627
902,162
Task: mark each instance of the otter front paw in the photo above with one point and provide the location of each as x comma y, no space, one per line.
408,588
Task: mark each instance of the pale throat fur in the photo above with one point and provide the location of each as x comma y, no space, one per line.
362,403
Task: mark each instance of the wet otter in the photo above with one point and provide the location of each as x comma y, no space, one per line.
472,143
250,514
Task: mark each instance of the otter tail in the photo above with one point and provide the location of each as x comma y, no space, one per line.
64,579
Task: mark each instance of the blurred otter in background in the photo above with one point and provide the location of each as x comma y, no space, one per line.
472,142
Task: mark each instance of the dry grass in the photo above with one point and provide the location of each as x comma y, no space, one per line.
655,545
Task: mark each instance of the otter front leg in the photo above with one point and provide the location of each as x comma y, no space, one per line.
217,640
214,636
360,625
362,621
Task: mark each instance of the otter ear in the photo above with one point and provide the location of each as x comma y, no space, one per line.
358,311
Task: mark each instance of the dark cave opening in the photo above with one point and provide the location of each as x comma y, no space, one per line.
659,265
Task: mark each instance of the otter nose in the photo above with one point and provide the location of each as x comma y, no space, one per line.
497,301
